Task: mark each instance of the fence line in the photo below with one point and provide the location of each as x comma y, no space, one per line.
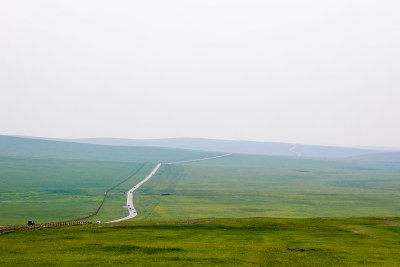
20,227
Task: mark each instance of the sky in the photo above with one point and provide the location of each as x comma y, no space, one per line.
309,72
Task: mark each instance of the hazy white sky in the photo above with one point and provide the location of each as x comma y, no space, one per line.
314,72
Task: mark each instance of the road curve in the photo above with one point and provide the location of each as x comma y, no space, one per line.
129,199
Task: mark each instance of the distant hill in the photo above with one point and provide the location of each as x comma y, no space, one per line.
233,146
28,147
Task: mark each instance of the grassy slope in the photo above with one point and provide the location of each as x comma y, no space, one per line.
25,147
225,242
278,187
55,189
232,146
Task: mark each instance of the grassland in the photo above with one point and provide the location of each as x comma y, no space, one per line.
271,162
212,242
54,189
237,186
269,186
226,190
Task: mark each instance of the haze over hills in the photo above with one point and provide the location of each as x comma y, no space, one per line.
28,147
231,146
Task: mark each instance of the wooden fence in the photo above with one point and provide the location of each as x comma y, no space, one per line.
20,227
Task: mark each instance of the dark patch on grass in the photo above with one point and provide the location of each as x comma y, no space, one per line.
301,249
296,249
71,237
198,260
302,171
130,249
62,191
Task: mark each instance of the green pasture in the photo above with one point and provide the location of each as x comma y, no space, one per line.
271,187
46,190
149,196
211,242
237,186
272,162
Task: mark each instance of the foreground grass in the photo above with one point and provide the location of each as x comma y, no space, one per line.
216,242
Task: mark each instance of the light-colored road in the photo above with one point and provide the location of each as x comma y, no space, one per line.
129,199
192,160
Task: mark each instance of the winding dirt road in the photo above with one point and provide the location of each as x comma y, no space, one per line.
129,199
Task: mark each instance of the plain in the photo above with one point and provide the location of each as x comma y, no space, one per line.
211,242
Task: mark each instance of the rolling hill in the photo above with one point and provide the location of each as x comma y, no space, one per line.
28,147
231,146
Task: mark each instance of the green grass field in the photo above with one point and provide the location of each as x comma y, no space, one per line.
211,242
272,187
46,190
227,191
237,186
